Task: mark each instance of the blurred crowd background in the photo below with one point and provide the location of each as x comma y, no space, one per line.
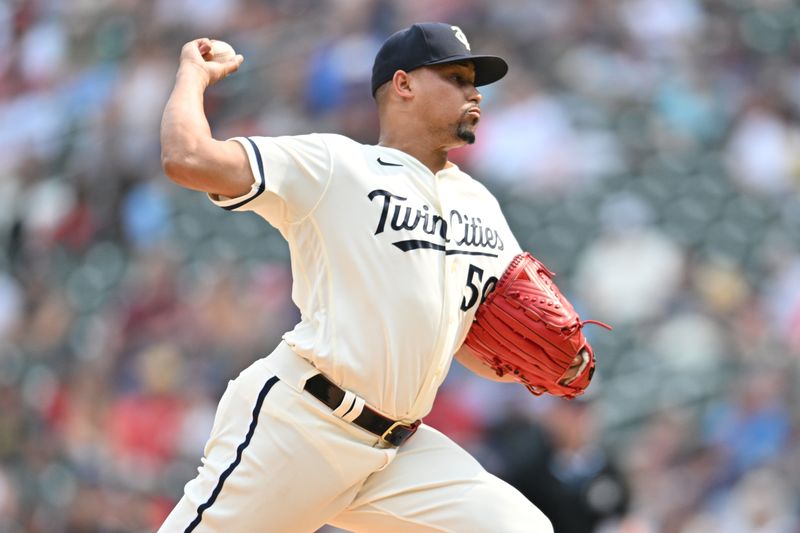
646,150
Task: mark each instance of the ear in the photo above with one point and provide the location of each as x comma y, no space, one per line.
401,84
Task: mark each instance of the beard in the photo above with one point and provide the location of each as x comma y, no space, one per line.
464,133
465,129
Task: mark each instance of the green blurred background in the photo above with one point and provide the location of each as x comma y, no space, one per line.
647,151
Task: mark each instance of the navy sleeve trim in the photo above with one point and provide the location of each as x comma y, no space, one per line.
261,186
215,493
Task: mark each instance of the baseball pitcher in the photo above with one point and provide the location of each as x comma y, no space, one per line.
394,250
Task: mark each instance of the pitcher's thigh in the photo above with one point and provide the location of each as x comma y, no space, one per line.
262,471
435,485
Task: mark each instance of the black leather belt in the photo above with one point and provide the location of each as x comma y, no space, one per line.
395,433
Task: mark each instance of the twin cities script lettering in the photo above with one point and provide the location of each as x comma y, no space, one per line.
460,229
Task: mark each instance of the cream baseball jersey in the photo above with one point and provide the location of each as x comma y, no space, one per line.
389,260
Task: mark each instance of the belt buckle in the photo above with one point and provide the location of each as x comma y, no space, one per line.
396,438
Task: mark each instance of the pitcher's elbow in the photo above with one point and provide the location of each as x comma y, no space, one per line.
175,167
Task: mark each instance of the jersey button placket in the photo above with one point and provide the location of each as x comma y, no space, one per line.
451,281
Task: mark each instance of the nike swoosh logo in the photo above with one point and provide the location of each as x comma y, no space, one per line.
384,163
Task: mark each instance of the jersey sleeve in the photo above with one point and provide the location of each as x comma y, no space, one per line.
290,175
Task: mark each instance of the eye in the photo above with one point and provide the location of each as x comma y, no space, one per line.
458,78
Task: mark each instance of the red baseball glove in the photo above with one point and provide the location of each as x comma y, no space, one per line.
527,328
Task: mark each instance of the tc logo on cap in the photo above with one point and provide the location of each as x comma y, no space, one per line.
461,37
431,43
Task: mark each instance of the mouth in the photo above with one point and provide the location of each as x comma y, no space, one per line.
474,112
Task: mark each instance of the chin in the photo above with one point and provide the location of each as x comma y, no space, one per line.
468,136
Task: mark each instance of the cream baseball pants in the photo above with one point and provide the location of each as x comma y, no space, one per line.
278,460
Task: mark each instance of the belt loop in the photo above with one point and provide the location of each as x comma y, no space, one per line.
350,407
356,410
346,405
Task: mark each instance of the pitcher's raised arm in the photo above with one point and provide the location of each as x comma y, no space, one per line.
190,156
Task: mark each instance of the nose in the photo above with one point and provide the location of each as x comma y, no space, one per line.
475,95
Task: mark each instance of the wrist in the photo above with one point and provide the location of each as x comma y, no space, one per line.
194,74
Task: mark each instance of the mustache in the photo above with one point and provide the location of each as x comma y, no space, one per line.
469,110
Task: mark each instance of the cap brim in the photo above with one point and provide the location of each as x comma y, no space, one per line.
488,69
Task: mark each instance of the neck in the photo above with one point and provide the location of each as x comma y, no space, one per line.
433,157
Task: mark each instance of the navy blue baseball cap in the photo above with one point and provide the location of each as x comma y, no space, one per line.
432,43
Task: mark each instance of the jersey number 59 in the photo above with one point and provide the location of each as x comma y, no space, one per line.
473,285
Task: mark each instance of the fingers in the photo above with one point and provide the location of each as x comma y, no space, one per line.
233,64
197,54
195,49
225,67
203,45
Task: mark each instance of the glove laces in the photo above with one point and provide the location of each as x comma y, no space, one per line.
597,322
